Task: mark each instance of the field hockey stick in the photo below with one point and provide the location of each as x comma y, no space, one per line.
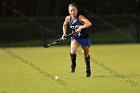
45,45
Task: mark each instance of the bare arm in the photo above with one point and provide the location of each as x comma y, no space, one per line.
85,21
65,25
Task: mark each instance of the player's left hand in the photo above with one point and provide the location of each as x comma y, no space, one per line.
79,29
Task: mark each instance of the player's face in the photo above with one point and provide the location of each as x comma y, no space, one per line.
73,11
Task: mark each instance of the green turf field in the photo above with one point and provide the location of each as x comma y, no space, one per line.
32,70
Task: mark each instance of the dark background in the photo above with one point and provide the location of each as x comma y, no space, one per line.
114,21
59,7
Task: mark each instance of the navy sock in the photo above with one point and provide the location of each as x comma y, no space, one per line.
73,60
87,61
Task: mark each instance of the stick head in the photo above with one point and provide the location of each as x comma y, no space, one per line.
46,45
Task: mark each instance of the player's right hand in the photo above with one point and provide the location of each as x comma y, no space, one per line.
64,36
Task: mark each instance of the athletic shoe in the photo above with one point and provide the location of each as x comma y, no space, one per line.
72,69
88,73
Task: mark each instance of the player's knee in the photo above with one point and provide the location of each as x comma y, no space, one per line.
73,51
85,51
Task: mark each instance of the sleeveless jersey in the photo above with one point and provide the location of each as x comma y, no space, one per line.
75,25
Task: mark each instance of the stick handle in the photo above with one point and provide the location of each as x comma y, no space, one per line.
71,34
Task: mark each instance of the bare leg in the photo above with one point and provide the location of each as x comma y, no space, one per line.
85,51
74,46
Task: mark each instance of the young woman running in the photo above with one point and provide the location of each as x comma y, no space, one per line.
79,24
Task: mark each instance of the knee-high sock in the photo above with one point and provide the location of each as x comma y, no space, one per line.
73,60
87,61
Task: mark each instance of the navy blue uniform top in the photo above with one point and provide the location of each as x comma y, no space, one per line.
74,26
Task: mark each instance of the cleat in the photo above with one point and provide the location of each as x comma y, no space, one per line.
88,73
72,69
